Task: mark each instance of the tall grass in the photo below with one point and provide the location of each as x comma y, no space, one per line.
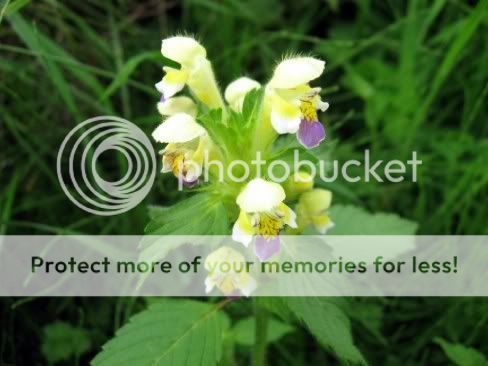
400,76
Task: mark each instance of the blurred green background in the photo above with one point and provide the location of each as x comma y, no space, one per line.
400,76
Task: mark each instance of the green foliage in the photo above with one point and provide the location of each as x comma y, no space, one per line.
277,306
329,324
369,315
352,220
244,331
461,355
399,75
170,333
233,131
63,342
200,214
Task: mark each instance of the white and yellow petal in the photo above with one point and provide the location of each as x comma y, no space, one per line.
285,116
183,50
243,230
178,105
234,279
297,71
221,254
236,91
312,210
209,284
246,284
317,200
167,158
178,128
260,196
322,223
297,184
323,106
289,216
173,81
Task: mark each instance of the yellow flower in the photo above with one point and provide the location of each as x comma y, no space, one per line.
228,272
187,141
312,210
177,105
298,183
294,103
236,91
262,213
195,71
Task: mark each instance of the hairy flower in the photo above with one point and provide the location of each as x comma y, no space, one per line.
187,141
298,183
312,210
236,91
234,281
263,214
294,103
195,71
168,107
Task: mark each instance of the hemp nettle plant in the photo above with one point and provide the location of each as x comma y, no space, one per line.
245,125
249,119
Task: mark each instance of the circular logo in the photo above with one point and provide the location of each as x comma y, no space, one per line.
79,165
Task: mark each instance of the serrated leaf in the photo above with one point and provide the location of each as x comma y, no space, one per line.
201,214
462,355
174,332
275,305
352,220
244,331
328,324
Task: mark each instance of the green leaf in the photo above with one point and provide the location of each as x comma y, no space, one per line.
14,6
154,211
251,107
275,305
352,220
462,355
244,331
216,129
62,341
451,58
50,54
328,324
201,214
232,130
369,315
173,332
39,44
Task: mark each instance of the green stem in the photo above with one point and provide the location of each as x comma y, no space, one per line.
261,318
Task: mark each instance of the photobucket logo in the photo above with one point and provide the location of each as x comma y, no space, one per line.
78,165
280,170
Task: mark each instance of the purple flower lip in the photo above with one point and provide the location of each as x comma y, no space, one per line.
310,133
265,248
162,99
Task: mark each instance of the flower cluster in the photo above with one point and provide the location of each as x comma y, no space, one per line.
288,104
